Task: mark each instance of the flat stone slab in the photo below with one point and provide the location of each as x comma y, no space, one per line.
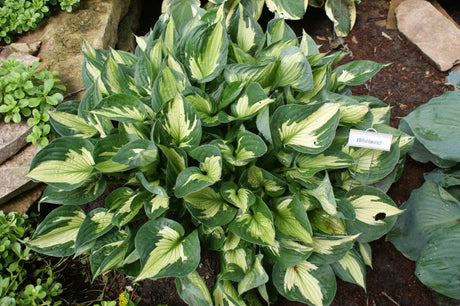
436,36
12,138
24,201
13,174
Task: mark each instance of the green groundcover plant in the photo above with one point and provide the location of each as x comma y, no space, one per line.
218,135
25,277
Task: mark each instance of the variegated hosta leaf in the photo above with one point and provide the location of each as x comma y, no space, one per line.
306,283
205,50
177,161
155,205
330,248
240,197
264,73
343,14
304,128
225,294
180,10
351,268
323,222
366,253
244,29
288,9
325,195
381,112
194,179
288,253
332,158
87,192
279,31
178,124
291,219
236,263
66,163
308,46
376,213
255,277
126,208
294,70
255,225
212,238
67,123
56,234
205,105
250,102
248,147
351,111
308,201
106,148
122,107
165,251
96,223
259,179
357,72
193,290
405,141
320,76
93,64
209,207
137,153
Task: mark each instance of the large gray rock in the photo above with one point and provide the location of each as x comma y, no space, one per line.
436,36
12,138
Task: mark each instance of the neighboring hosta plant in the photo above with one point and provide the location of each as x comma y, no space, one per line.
219,135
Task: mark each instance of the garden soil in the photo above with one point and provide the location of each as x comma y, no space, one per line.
411,80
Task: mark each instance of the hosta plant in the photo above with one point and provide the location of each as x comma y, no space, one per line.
218,135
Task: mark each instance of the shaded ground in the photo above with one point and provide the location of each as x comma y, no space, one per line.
410,81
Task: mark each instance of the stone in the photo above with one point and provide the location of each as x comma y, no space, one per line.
26,48
13,174
128,26
436,36
22,203
12,138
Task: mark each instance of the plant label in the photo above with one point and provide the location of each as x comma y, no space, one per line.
369,140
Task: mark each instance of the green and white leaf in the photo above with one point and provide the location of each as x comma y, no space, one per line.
244,29
250,102
289,9
225,294
240,197
193,290
332,248
106,148
357,72
351,268
78,125
137,153
294,70
291,219
126,209
123,108
258,179
96,223
288,253
249,147
343,14
111,242
236,263
255,276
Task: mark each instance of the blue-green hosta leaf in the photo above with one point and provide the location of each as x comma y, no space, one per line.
236,263
193,290
255,276
291,219
294,70
444,177
178,124
259,179
204,104
194,179
289,9
209,207
250,102
240,197
144,76
106,148
104,246
351,268
96,223
343,14
255,225
56,235
225,294
87,192
263,73
137,153
330,248
165,251
376,213
306,283
332,158
126,75
66,163
122,107
212,238
357,72
244,30
288,253
304,128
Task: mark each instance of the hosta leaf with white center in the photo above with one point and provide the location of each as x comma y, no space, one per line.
156,205
137,153
320,76
366,253
332,158
204,104
244,29
306,283
209,207
178,124
255,225
165,250
288,253
250,102
351,268
122,107
193,290
193,179
66,163
106,148
294,70
323,222
343,14
96,223
255,276
263,73
290,9
351,111
248,148
279,31
104,246
180,10
325,195
291,219
236,263
226,295
380,111
93,63
376,213
212,238
89,191
258,179
205,50
109,75
304,128
357,72
308,46
67,123
56,235
332,248
128,208
240,197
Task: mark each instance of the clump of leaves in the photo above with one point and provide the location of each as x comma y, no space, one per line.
218,134
28,93
428,231
17,17
25,277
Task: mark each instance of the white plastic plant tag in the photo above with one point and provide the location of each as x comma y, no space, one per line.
369,140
